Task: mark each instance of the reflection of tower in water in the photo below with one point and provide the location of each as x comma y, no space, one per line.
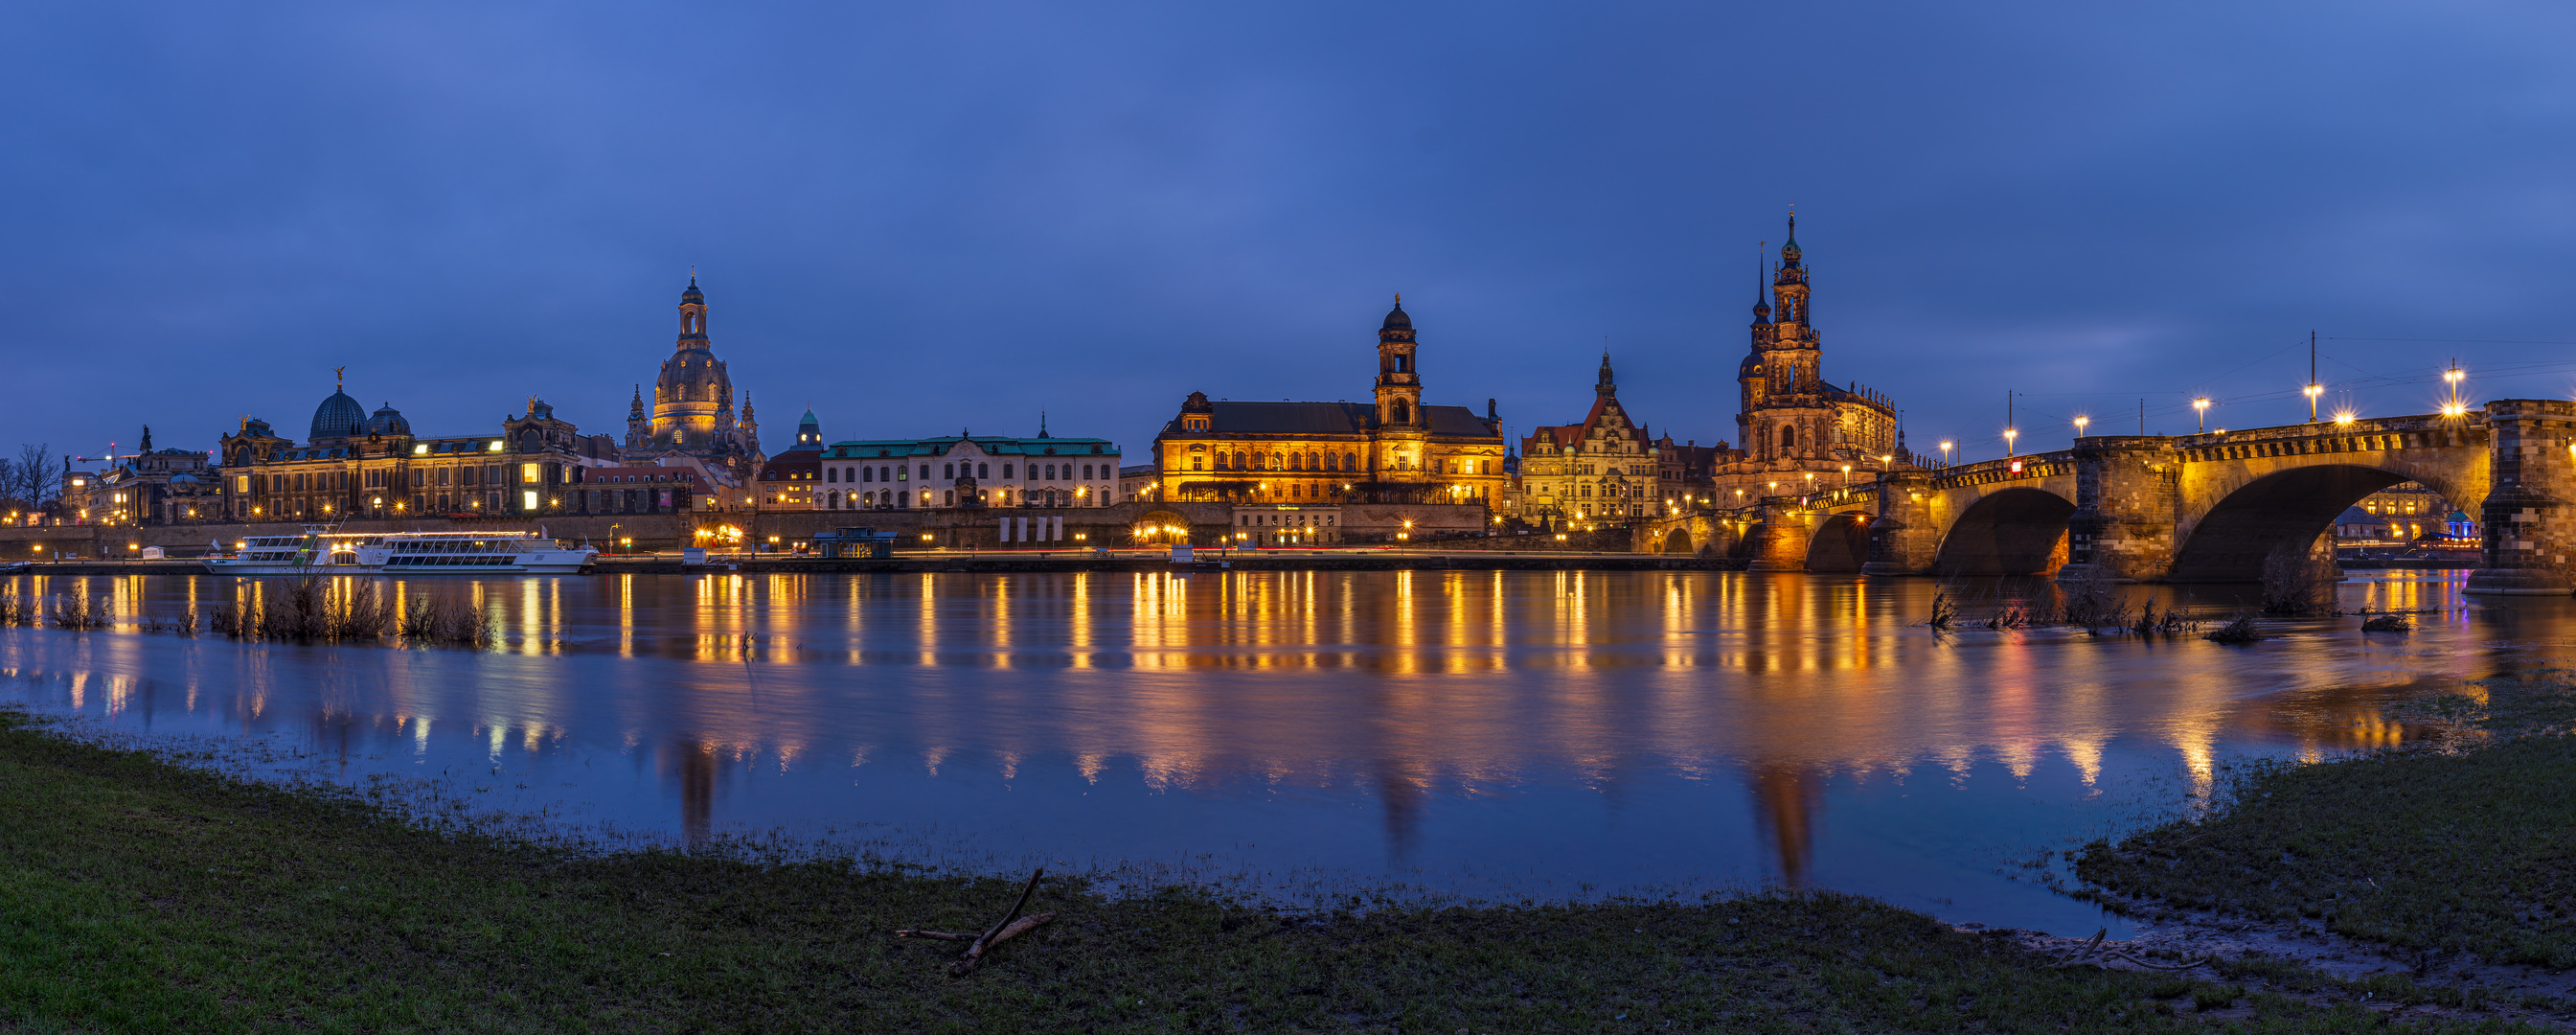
1784,804
697,772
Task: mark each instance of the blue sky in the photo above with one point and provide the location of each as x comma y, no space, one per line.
925,217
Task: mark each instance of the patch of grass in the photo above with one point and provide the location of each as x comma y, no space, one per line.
137,895
2437,851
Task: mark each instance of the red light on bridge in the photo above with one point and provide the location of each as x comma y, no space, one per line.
2016,467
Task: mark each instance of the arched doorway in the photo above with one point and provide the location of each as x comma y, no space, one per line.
2012,532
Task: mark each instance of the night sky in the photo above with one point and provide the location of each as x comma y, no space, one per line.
922,217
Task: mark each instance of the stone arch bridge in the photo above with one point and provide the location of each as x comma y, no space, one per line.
2192,508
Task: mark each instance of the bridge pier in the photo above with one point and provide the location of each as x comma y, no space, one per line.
2127,488
1779,541
1903,539
2527,535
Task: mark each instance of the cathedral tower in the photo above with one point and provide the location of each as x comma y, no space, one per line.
1399,387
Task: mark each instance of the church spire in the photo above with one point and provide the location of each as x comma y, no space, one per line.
1606,385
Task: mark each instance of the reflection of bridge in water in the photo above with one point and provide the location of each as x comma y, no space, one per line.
2213,507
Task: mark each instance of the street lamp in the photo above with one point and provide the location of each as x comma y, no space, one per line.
2201,408
2009,435
2080,422
1945,451
2312,391
2453,377
1846,476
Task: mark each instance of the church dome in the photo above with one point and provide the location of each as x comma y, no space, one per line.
338,417
388,421
691,293
1396,320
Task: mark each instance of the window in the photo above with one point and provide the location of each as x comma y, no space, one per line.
1788,436
983,470
1086,471
947,470
831,474
1006,472
529,474
1195,462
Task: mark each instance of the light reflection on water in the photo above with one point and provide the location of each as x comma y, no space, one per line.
1498,733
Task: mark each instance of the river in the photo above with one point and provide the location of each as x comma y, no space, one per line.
1495,735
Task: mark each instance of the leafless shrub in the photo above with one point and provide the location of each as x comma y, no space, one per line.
190,621
1944,610
2296,584
77,611
16,609
439,620
303,608
2240,630
2388,624
364,615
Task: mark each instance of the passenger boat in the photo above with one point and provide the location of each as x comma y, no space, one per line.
320,551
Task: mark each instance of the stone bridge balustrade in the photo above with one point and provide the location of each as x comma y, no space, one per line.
2209,507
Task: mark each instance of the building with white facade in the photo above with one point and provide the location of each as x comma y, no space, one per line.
967,470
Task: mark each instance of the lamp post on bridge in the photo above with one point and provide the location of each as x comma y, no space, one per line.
2453,377
2080,422
1945,451
2201,407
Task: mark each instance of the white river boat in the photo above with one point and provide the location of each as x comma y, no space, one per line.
319,551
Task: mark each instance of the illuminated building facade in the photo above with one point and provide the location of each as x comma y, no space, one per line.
967,470
147,487
692,411
1607,468
359,464
1391,450
1790,422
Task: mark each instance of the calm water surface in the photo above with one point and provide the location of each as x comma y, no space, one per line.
1498,734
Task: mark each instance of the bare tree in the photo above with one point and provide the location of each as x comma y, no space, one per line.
35,475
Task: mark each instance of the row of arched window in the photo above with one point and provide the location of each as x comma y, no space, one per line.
1291,461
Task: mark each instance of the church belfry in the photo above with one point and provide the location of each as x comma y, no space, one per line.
1788,414
693,316
1399,386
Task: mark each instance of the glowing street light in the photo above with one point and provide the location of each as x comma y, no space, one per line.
2080,422
2009,435
1846,475
2343,418
2312,391
2453,377
1945,451
2201,406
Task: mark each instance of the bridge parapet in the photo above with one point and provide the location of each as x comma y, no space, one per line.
1986,472
2379,434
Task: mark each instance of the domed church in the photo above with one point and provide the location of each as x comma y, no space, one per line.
692,412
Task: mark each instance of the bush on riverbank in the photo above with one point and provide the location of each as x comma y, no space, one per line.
2462,851
140,896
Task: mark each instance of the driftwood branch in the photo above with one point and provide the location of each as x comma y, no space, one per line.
975,956
1011,925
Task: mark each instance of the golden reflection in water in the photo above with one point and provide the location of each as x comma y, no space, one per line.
1791,680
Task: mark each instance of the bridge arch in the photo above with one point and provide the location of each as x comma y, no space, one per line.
2011,531
1840,543
2280,512
1678,541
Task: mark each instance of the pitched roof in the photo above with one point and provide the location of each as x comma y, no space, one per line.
1332,418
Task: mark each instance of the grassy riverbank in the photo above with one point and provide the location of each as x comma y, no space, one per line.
2427,852
141,896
